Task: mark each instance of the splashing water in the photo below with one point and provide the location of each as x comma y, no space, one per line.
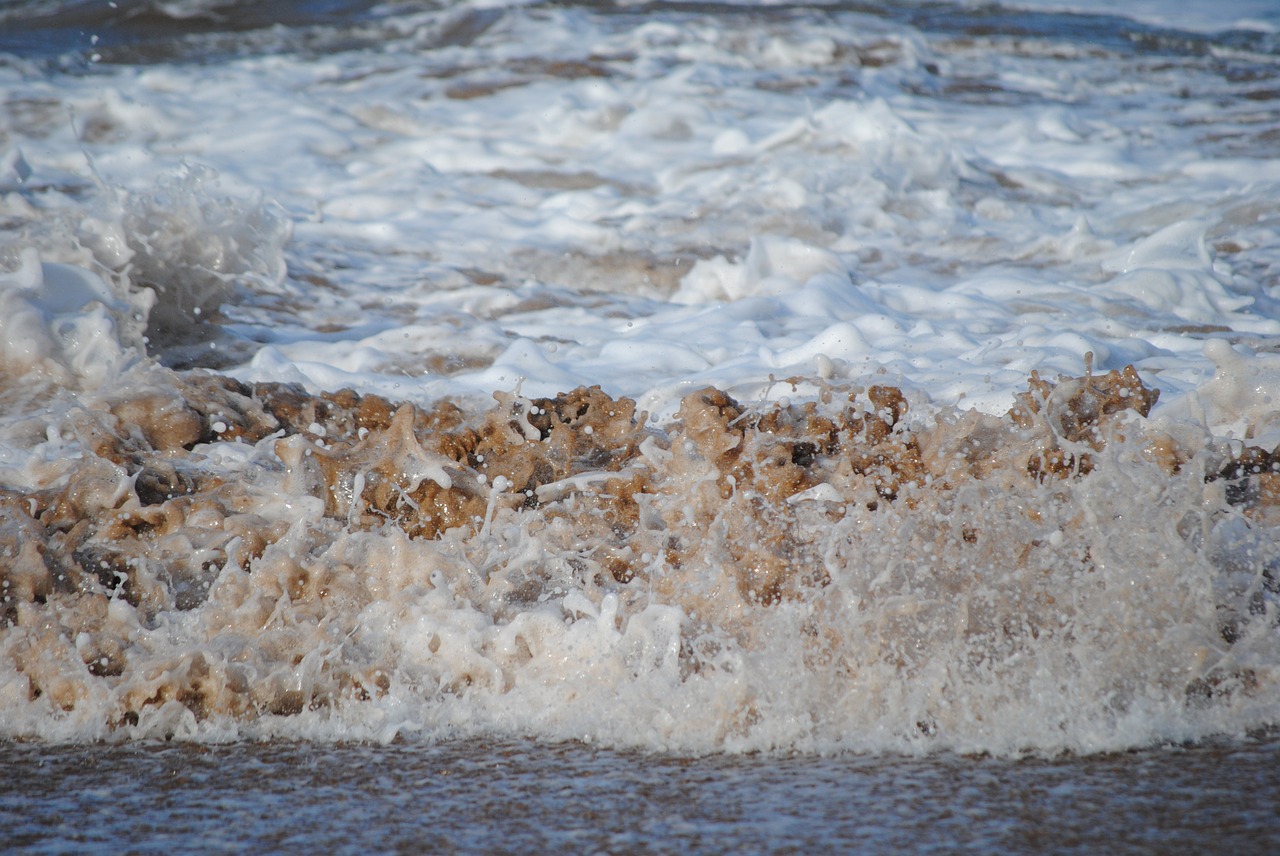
692,381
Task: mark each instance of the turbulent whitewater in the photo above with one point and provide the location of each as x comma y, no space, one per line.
685,377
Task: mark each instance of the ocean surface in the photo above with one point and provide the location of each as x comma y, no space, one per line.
504,796
489,426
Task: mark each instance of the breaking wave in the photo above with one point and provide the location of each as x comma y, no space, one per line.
841,572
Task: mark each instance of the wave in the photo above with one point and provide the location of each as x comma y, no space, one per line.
223,560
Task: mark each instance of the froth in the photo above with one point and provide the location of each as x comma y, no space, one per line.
148,269
63,322
226,559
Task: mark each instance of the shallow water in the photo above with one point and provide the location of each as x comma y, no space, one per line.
510,796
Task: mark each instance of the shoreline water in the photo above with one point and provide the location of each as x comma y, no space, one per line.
513,796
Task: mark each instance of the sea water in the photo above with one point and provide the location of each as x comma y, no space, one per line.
503,796
846,381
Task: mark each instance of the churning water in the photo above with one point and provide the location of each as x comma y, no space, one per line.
763,413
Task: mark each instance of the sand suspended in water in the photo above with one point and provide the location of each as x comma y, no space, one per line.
223,550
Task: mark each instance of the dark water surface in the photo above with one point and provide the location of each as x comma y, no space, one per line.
523,797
